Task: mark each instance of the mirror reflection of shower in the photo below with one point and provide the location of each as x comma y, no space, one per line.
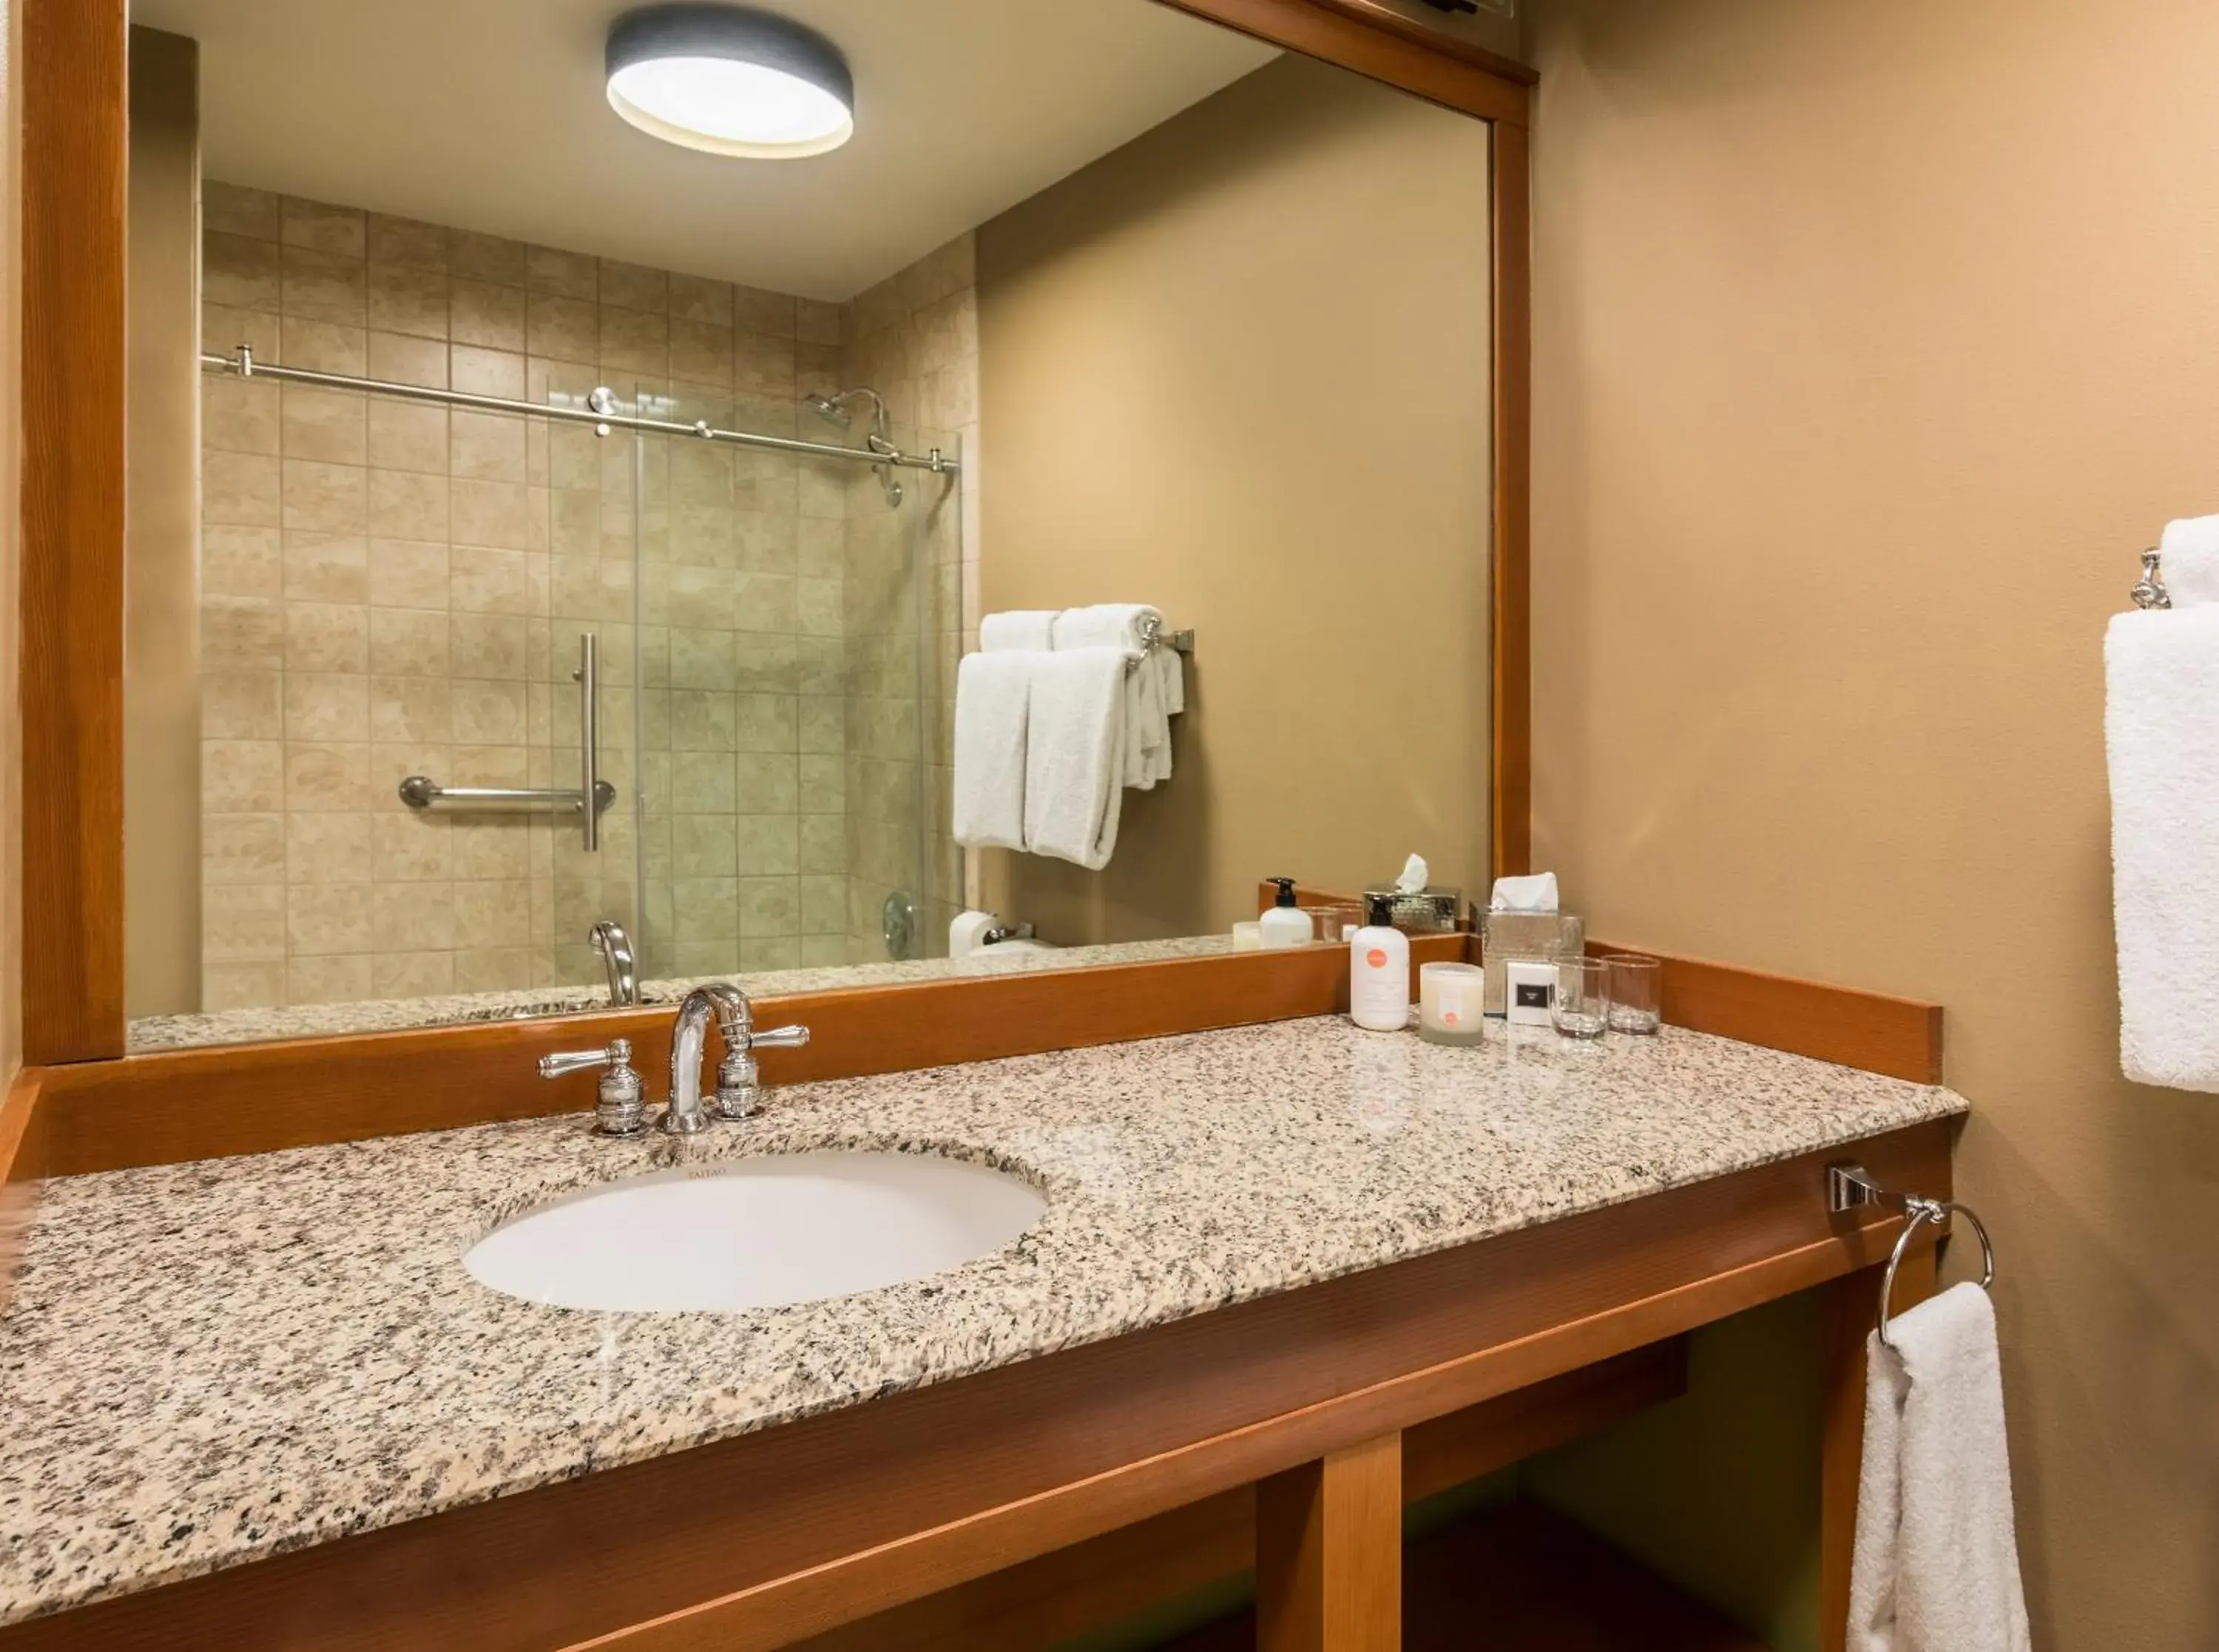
833,409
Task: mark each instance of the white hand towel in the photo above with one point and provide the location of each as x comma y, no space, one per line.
2161,728
2188,564
1023,628
1935,1565
1146,757
1073,785
993,702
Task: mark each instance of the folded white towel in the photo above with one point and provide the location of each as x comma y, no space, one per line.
2161,728
993,699
1146,757
1074,784
1021,628
1935,1565
2189,562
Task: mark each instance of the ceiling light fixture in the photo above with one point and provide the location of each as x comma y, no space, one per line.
731,81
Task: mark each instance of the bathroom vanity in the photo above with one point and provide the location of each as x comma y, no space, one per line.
260,1399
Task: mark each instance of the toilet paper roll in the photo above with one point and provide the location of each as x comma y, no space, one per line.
966,930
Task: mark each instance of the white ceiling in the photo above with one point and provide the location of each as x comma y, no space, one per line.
490,114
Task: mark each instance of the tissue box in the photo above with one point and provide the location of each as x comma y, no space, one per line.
1538,937
1432,910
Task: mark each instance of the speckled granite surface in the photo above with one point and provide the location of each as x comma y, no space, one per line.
207,1363
389,1015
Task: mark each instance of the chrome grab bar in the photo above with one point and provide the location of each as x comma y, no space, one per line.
422,791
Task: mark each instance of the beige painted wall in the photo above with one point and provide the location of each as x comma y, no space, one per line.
1240,369
162,708
1873,339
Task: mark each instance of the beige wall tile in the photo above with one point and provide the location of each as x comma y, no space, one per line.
338,231
489,316
236,211
328,918
242,776
634,287
563,329
242,633
701,354
242,704
492,913
763,312
327,779
327,567
240,273
324,705
241,490
320,287
763,365
486,372
328,848
490,646
324,498
243,849
406,241
408,574
326,636
411,711
817,322
239,415
223,329
407,436
496,514
408,848
328,426
242,986
822,845
343,980
489,713
242,922
408,505
569,275
488,447
695,298
490,580
634,341
485,258
408,642
404,360
407,300
505,969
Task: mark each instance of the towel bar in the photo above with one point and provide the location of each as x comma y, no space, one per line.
1848,1187
2150,592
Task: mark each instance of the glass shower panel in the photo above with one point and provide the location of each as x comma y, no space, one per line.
589,589
900,609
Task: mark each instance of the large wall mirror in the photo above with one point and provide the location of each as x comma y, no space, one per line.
1100,304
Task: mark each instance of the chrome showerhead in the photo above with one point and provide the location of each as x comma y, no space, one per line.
831,409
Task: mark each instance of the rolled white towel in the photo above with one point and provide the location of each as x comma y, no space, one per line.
1074,784
2188,563
1021,628
994,701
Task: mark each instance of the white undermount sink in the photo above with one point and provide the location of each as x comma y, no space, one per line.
755,1232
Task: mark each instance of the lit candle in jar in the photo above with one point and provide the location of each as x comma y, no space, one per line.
1451,998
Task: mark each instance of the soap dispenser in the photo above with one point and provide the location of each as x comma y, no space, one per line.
1283,924
1379,970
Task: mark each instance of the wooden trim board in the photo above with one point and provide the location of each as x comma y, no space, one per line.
1042,1603
22,1163
69,597
233,1099
758,1541
1510,608
1871,1031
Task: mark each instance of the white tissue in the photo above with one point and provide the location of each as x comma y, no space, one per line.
1415,876
1535,894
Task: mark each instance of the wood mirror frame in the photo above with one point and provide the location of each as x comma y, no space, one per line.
74,90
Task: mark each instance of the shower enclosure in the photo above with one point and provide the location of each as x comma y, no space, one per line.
779,659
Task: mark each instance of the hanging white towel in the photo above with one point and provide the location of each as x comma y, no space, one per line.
1021,628
1936,1564
1147,756
2188,563
994,701
2161,728
1074,785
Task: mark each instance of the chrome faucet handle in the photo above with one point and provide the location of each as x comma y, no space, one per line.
739,1085
622,1108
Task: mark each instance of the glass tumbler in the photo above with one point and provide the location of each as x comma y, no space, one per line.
1582,1005
1636,988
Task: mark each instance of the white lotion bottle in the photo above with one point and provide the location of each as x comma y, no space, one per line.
1379,971
1283,924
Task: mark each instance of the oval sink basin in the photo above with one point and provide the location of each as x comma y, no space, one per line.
755,1232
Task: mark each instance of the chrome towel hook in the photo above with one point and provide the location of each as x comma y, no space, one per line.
1848,1186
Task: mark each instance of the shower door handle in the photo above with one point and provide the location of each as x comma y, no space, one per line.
589,736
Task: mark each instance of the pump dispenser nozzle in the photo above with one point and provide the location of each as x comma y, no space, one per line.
1286,888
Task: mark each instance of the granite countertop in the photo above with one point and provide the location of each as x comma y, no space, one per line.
210,1363
146,1034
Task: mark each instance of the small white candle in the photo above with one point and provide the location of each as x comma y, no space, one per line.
1450,1003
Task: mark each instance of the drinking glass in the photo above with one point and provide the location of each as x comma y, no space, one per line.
1636,988
1581,1008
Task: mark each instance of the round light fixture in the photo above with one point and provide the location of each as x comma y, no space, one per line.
730,80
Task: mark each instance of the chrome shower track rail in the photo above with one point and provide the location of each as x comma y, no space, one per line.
245,366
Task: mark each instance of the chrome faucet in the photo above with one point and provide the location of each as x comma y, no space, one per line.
609,940
737,1079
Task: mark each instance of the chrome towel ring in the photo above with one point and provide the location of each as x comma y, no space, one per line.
1849,1187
